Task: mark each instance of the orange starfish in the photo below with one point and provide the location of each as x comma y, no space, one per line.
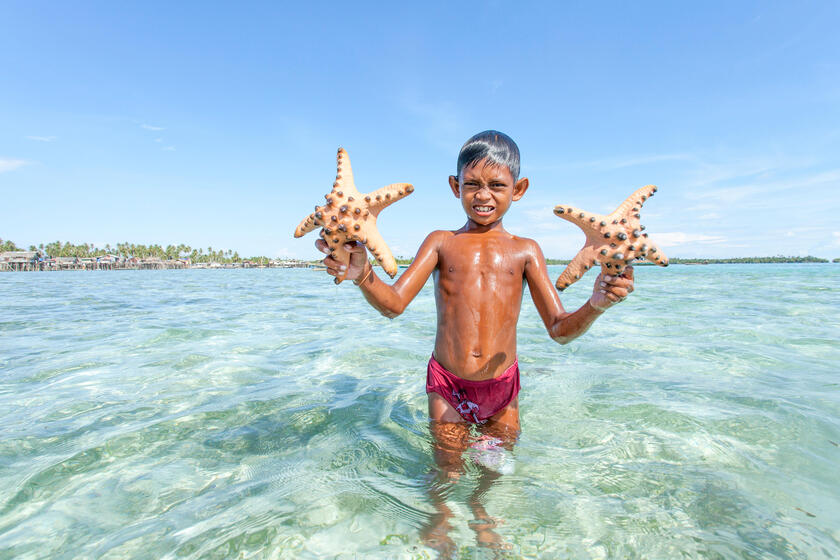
612,241
349,215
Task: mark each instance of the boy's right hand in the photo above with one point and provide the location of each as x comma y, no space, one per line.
358,260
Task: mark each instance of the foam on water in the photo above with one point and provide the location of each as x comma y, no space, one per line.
210,414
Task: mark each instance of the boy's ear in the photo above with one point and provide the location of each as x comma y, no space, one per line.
520,187
455,186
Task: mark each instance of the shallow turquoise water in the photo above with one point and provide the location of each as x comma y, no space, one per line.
271,414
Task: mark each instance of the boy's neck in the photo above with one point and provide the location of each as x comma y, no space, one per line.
472,227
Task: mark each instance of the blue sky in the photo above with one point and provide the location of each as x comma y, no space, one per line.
217,124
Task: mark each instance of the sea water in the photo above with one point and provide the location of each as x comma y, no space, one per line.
271,414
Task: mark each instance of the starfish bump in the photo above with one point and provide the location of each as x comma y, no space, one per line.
612,241
349,215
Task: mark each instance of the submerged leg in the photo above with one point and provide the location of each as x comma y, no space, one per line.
450,440
500,435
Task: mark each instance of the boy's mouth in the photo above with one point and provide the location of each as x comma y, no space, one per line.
484,210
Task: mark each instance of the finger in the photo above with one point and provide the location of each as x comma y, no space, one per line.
621,283
618,292
617,284
334,265
335,271
354,247
612,297
321,245
330,262
628,273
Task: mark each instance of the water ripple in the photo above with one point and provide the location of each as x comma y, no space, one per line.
212,414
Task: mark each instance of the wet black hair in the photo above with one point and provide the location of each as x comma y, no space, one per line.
496,147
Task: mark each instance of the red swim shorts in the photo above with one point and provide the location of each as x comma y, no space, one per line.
475,401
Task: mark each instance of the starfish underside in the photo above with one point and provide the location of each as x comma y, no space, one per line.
612,241
349,215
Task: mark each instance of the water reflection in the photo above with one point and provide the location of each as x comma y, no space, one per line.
457,448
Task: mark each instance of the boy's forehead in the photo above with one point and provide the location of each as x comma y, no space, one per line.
486,168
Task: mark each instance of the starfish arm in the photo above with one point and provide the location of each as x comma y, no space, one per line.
581,219
635,200
306,226
655,255
380,250
575,269
384,197
344,173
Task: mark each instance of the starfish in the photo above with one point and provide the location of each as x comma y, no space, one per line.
612,241
349,215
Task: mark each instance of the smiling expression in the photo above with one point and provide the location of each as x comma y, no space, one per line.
486,191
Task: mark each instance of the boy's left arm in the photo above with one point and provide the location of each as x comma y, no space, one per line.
562,325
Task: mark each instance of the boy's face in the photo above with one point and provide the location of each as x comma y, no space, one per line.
486,191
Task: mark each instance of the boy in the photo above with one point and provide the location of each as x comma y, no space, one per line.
480,272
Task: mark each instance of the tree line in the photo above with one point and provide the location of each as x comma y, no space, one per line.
750,260
677,260
181,251
129,250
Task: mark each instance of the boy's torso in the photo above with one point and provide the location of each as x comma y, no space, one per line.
478,291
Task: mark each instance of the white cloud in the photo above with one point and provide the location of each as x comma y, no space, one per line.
618,162
158,139
836,235
150,127
7,164
632,161
704,173
169,148
730,195
675,238
43,138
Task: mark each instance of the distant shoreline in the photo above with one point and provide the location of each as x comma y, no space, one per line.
30,261
734,260
318,265
56,256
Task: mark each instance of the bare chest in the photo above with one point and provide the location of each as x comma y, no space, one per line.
493,269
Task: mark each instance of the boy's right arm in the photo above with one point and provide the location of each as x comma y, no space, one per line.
388,300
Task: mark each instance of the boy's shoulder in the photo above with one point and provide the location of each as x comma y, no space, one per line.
529,248
438,236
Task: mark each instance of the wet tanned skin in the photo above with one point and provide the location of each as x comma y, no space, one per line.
480,272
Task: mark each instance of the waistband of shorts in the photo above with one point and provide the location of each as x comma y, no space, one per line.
511,370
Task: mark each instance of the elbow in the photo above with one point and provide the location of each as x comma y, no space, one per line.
392,312
562,339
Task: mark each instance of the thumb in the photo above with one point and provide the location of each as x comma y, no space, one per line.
354,247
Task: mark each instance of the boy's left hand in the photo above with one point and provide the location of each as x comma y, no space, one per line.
611,289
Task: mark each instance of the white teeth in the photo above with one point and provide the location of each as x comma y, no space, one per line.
484,208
